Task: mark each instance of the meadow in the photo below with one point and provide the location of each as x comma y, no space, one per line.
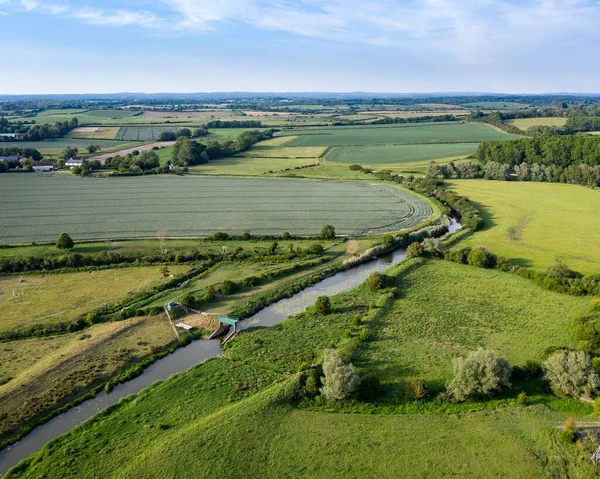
33,299
524,123
236,409
39,208
395,135
534,223
397,154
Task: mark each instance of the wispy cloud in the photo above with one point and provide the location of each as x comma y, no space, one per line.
469,30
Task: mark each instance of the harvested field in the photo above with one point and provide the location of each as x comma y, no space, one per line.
40,208
250,166
267,113
95,132
524,123
143,133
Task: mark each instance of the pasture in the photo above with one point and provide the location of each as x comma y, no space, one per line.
84,117
534,223
236,410
55,145
39,208
407,134
524,123
395,154
32,299
249,165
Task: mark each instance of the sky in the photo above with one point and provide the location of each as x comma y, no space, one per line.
107,46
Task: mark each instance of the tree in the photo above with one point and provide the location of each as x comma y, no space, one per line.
64,242
341,379
93,148
327,232
376,281
164,270
481,258
571,373
323,305
69,152
414,250
480,373
285,236
273,248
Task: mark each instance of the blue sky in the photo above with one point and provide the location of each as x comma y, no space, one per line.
102,46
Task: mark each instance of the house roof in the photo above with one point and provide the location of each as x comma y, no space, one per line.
10,158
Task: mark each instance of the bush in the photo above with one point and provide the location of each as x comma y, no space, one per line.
481,258
323,305
312,384
364,335
327,232
585,329
341,380
558,269
370,387
227,287
220,236
355,167
417,388
414,250
375,281
285,236
64,242
480,373
570,373
522,399
569,433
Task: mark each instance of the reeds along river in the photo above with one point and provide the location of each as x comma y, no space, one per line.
184,358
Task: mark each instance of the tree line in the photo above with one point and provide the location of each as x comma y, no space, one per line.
38,132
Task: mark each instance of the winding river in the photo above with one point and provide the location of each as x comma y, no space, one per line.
197,351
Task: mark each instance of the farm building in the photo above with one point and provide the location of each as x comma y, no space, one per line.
10,136
42,166
73,162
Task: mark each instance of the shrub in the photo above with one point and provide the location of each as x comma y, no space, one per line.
370,387
594,306
558,269
312,384
219,236
356,320
323,305
480,373
294,389
481,258
568,433
585,329
285,236
64,241
375,281
189,300
316,249
327,232
108,387
355,167
417,388
570,373
227,287
246,235
522,399
341,379
503,264
364,334
414,250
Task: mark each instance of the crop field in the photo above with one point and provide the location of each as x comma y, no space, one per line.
249,166
39,208
534,223
495,105
30,299
395,135
85,117
142,133
95,132
524,123
391,154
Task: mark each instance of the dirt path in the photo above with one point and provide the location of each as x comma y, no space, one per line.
148,146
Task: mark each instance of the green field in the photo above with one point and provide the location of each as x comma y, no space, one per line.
60,143
39,208
534,223
395,135
231,413
524,123
250,166
495,105
142,133
84,117
394,154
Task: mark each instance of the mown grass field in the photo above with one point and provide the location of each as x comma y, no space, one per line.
250,166
227,412
39,208
95,132
524,123
50,298
534,223
395,154
37,375
395,135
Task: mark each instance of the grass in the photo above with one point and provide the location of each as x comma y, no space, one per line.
495,105
398,154
60,143
250,166
395,135
229,414
85,117
534,223
50,298
524,123
194,206
38,375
